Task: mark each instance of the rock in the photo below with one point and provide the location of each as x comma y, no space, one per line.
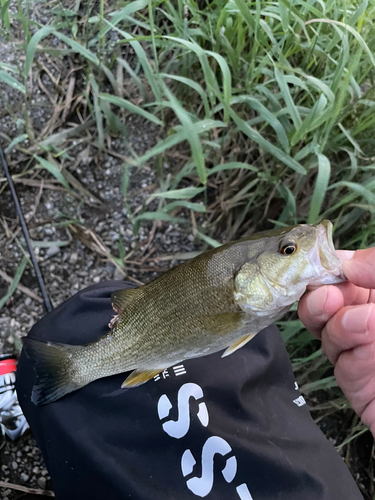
36,470
52,250
24,477
42,481
73,259
118,275
14,465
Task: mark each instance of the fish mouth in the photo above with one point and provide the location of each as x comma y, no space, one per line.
330,263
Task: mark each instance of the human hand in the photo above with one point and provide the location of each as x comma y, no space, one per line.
343,317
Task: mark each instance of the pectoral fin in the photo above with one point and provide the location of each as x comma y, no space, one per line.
222,324
122,298
238,344
139,377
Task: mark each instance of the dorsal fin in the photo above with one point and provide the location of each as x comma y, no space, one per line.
122,298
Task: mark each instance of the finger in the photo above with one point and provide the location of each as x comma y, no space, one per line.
351,327
360,269
353,295
355,375
318,306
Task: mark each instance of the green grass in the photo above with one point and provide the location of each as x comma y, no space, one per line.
271,103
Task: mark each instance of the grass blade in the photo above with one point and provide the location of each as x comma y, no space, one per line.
10,80
179,194
266,145
321,185
15,282
53,169
132,108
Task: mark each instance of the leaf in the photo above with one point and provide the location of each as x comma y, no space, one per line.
10,80
16,140
117,17
180,194
15,281
267,116
321,185
80,49
152,77
351,30
158,215
246,14
359,189
132,108
293,111
196,207
191,135
192,84
98,113
32,46
53,169
213,243
266,145
231,166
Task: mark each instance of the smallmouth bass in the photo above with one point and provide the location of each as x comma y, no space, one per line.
219,300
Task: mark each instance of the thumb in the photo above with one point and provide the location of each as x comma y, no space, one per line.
359,267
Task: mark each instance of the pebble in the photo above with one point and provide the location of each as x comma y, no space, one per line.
36,470
24,477
42,481
52,250
14,465
73,259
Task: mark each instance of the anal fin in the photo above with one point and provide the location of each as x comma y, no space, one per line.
139,377
238,344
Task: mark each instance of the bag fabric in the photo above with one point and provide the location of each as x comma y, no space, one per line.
233,428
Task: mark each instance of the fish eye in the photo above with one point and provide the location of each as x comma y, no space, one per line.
288,249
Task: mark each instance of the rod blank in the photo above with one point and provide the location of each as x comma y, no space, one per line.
39,277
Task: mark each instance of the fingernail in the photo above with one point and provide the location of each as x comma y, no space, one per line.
356,319
346,254
363,351
315,302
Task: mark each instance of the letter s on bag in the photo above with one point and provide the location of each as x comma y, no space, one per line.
201,486
179,428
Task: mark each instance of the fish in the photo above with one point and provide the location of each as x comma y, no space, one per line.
217,301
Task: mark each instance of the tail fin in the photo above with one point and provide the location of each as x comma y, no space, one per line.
54,366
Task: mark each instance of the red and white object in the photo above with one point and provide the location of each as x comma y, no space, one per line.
12,421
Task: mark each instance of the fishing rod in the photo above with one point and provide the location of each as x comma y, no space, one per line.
39,277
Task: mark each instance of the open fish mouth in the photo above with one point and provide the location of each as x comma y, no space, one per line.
324,252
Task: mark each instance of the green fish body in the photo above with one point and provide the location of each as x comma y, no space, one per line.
217,301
